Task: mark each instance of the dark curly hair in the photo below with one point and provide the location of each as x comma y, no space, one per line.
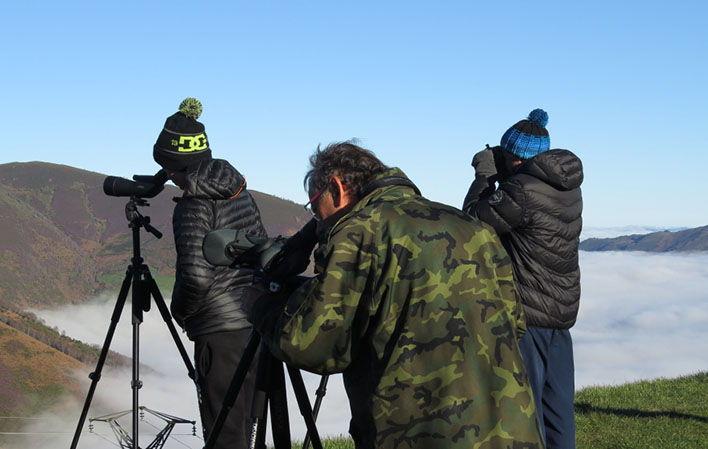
354,165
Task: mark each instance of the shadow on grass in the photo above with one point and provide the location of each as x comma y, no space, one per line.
584,407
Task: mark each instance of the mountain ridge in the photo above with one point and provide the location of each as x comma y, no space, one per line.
62,235
694,239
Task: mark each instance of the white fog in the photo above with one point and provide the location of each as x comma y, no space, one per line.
642,316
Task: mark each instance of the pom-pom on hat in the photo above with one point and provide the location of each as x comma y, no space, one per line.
183,141
528,137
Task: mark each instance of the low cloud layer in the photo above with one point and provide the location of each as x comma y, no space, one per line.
642,316
168,390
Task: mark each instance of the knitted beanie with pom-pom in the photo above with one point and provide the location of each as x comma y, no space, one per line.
183,141
528,137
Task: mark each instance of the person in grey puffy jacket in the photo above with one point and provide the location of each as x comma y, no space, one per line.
530,194
210,303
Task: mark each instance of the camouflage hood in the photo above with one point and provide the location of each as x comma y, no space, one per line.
392,179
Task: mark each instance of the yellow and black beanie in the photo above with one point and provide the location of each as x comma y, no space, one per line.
183,141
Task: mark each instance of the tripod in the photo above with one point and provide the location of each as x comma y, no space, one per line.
270,391
143,287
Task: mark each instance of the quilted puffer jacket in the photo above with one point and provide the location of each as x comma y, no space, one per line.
206,298
537,215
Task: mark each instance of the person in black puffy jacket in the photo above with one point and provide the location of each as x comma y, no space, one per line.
531,196
210,303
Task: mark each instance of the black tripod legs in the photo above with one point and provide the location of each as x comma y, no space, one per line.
320,394
95,376
269,394
167,317
143,287
304,404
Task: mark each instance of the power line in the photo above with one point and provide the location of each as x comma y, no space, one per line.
172,436
37,433
106,439
23,417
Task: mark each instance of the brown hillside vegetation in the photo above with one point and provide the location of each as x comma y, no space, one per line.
24,389
61,235
28,324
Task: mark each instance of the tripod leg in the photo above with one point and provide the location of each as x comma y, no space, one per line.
320,393
304,404
258,436
234,388
259,406
95,376
278,404
167,317
140,297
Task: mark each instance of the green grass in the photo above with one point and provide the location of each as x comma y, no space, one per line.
657,414
662,413
331,443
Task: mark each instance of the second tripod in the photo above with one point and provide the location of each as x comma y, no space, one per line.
269,394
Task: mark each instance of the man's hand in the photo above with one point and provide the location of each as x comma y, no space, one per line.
295,256
483,163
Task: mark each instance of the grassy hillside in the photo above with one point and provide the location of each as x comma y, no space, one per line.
25,389
64,240
658,414
663,413
31,326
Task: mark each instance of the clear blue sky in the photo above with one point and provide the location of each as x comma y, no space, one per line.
423,84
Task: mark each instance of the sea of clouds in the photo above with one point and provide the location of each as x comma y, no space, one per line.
642,316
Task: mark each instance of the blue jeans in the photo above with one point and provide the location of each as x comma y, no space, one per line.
548,356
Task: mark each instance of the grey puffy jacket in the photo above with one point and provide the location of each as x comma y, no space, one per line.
537,215
208,299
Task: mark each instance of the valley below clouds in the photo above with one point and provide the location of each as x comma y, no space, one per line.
642,316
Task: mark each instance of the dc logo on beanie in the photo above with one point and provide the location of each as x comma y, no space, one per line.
190,144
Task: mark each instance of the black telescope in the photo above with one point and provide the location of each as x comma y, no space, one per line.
142,186
227,247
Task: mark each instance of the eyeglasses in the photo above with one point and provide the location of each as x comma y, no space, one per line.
313,200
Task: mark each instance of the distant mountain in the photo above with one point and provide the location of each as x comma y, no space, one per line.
695,239
62,239
595,232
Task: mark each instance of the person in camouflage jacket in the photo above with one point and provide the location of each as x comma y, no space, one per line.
414,302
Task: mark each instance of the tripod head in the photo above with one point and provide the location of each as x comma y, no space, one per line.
138,220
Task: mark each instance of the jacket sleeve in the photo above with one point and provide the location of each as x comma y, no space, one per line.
482,186
503,208
194,275
326,316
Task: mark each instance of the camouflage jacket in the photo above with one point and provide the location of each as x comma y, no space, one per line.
414,303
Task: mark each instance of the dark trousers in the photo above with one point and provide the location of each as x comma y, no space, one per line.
548,356
216,357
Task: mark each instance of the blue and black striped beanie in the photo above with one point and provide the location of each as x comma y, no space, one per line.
529,137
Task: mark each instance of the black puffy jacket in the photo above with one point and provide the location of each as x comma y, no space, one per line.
537,214
206,298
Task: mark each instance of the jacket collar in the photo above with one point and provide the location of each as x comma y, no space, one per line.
383,183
